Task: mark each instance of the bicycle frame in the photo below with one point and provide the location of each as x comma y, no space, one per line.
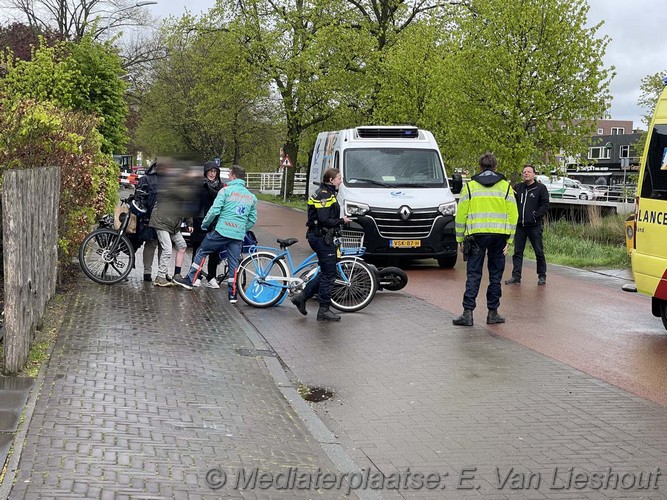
292,281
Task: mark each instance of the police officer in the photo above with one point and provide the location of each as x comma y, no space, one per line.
323,223
487,211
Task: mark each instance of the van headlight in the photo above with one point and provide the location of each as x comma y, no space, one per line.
447,208
354,208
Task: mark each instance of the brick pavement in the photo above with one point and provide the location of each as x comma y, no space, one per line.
147,389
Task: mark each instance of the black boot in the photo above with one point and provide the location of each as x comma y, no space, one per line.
324,314
493,318
465,319
299,300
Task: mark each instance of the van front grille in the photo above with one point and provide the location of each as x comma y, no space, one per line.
390,222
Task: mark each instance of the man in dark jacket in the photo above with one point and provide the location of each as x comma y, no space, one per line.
532,200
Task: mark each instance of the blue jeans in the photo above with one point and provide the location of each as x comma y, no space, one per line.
493,244
214,242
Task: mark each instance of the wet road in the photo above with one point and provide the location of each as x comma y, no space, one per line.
582,319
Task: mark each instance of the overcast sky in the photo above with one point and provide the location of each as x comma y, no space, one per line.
638,44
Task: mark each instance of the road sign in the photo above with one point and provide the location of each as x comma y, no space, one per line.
609,145
287,163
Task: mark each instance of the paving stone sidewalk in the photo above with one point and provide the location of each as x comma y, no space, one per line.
150,388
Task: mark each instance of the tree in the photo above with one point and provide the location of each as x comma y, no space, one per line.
522,78
72,19
81,76
20,39
303,50
205,98
651,87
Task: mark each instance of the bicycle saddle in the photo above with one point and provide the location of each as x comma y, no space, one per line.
288,242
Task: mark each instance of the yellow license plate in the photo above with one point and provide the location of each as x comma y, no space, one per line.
405,243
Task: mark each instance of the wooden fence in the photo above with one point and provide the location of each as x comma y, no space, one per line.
30,201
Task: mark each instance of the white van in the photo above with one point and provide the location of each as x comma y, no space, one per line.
395,187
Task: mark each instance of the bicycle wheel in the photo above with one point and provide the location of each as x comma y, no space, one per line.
100,263
355,285
259,279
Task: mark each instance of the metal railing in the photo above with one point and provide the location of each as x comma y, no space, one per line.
272,182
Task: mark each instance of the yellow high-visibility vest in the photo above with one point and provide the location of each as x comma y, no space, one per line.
486,210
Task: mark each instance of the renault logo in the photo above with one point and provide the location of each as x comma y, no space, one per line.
405,212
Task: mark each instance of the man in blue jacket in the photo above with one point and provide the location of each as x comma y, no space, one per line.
532,199
235,209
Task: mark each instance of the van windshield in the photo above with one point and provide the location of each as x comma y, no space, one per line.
393,167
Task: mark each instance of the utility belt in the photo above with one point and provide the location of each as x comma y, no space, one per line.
323,232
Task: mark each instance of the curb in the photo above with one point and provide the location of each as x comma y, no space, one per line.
320,432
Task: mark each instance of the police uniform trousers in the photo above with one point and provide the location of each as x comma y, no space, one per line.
491,245
323,282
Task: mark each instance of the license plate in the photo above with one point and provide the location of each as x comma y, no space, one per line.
405,243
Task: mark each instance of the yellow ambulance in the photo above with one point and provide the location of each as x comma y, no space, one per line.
646,235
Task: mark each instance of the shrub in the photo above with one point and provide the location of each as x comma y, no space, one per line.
34,134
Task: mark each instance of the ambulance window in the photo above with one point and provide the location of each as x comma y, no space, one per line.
654,184
336,161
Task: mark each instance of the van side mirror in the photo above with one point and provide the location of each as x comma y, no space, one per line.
456,183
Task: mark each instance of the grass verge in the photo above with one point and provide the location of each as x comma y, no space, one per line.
596,244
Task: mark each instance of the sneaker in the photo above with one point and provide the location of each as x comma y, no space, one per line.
197,283
184,282
147,277
213,283
169,278
162,281
513,281
232,298
541,280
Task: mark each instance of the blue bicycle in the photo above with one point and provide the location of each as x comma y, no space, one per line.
267,274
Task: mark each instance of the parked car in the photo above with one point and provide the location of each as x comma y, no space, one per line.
566,188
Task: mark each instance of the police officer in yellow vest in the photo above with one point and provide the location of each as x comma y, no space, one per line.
487,212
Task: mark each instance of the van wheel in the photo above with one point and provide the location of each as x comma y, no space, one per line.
663,312
447,262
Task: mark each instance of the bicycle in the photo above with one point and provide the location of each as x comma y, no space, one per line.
267,275
106,255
